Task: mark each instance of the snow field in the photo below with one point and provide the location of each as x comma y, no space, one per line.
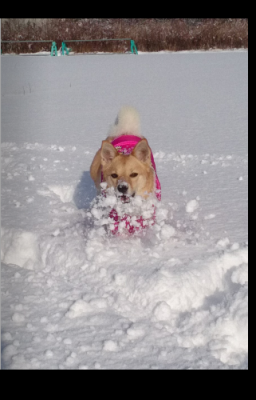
173,296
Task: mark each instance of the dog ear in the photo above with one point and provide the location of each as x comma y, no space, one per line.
142,151
108,153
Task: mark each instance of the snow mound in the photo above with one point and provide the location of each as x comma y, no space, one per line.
20,248
64,192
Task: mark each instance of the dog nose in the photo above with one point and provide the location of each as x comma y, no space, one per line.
122,188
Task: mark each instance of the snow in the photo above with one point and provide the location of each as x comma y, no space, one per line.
171,296
192,205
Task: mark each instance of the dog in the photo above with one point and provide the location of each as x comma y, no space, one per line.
125,160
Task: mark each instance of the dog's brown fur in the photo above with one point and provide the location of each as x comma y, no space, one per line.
134,171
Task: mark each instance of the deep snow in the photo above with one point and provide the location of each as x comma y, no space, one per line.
174,297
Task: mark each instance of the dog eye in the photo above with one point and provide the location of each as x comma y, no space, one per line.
114,175
133,174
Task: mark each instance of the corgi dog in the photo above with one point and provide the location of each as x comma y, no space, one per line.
125,160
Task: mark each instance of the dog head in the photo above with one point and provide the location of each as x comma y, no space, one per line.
130,175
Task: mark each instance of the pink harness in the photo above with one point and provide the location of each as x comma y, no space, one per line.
125,145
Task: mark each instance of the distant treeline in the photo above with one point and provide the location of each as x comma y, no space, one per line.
149,34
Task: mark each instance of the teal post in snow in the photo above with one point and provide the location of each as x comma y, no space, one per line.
64,48
54,49
133,47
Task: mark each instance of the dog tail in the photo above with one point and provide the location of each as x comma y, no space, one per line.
127,122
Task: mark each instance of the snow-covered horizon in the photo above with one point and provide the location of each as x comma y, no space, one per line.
71,53
174,297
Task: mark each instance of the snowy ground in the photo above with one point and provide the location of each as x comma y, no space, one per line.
172,298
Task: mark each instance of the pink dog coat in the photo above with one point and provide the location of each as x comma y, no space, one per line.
125,145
